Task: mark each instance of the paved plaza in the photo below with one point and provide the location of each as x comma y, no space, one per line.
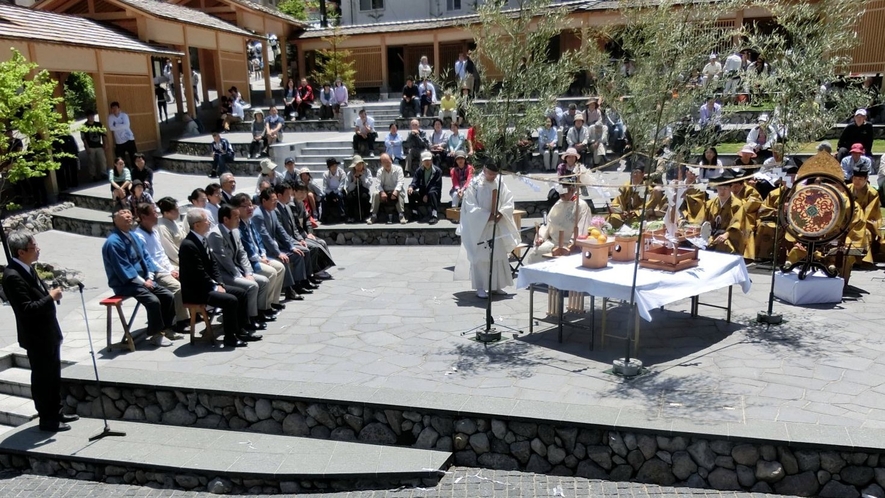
394,318
459,482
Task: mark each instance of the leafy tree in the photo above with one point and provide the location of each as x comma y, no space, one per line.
335,62
79,94
28,110
519,75
299,9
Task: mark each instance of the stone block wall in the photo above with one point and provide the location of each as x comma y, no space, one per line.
296,126
36,220
511,444
202,167
83,227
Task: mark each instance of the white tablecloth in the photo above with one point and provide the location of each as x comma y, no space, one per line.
654,288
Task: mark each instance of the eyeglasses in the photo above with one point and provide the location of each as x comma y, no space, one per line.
34,247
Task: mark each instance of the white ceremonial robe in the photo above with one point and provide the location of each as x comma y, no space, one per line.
561,219
475,230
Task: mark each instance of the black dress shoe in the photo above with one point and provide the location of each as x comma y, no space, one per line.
303,290
255,326
236,343
69,418
267,316
315,281
291,295
55,427
249,337
278,307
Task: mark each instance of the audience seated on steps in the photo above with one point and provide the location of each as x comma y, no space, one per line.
143,173
425,191
171,230
414,145
258,145
393,145
281,247
222,155
364,134
273,270
314,197
273,126
461,175
304,228
391,194
327,102
268,174
410,105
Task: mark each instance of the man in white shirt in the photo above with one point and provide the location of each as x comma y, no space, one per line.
461,67
427,85
124,139
236,114
390,190
167,277
712,70
364,134
731,71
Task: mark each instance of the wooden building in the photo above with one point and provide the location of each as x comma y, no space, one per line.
254,17
220,46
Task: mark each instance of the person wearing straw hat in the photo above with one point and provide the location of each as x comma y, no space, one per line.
259,135
358,197
724,214
486,213
391,190
855,160
571,167
578,137
746,157
268,174
426,189
627,207
314,195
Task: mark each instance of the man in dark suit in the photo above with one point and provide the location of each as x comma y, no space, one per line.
201,282
272,269
38,329
426,188
280,246
305,230
287,220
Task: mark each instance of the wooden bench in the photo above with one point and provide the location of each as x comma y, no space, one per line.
208,335
116,302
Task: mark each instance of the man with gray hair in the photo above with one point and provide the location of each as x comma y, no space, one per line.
38,330
825,146
131,273
228,185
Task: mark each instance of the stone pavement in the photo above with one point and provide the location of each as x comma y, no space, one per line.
400,326
459,482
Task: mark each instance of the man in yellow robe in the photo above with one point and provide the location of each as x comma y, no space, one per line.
626,208
694,200
725,214
869,206
767,219
751,202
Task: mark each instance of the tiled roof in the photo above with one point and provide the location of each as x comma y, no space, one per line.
49,27
273,11
443,22
178,13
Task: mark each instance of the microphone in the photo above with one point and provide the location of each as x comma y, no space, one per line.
544,216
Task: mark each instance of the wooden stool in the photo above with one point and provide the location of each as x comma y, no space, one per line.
117,302
207,335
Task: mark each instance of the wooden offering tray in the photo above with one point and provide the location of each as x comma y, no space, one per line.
594,255
661,257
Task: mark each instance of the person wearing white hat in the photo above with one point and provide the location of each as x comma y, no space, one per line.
712,70
268,174
578,137
358,197
859,131
426,189
314,195
762,137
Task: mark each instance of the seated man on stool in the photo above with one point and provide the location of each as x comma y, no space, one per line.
201,282
391,192
274,270
131,274
235,268
426,188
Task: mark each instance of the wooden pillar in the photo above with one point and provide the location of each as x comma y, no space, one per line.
738,22
51,178
204,85
268,94
219,81
102,109
188,81
58,92
385,78
436,56
284,60
302,65
176,86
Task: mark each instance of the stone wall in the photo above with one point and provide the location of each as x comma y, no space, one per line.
35,220
511,444
83,227
204,166
296,126
196,481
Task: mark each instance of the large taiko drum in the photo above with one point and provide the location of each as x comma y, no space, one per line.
817,212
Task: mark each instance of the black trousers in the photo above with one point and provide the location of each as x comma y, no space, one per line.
46,382
233,304
121,150
369,142
358,204
417,199
158,302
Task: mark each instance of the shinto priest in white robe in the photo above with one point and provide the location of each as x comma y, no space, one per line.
561,219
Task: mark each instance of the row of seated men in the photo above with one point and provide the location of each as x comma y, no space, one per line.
230,254
741,218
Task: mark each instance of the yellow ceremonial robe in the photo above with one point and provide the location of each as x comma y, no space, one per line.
751,202
627,206
765,224
869,207
726,218
694,205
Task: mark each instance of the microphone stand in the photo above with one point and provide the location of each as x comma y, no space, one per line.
107,429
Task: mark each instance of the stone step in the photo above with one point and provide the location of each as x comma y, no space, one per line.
83,221
16,410
202,165
296,126
218,460
16,381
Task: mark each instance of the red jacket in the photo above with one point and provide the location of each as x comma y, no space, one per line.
306,93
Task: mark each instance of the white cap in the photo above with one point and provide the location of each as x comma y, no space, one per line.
860,112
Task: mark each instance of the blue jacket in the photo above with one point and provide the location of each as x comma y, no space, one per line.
252,244
125,262
276,240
